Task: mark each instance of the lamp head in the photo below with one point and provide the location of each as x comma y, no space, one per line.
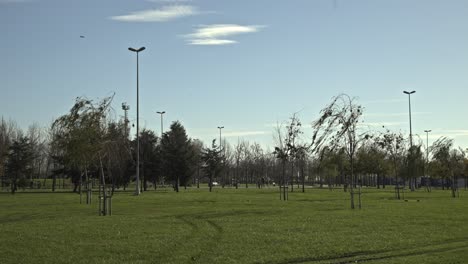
137,50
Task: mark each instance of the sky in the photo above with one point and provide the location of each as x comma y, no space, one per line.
247,65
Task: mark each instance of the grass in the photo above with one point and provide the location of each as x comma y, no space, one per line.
235,226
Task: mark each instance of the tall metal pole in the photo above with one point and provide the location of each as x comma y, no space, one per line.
427,146
161,113
220,127
427,160
137,187
220,148
427,143
409,106
411,140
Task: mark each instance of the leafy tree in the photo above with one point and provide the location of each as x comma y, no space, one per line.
19,163
414,165
393,144
177,155
149,157
447,161
213,159
120,164
80,135
338,126
371,160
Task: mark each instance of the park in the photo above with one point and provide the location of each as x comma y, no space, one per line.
228,225
202,131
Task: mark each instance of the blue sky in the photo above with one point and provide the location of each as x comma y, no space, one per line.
245,65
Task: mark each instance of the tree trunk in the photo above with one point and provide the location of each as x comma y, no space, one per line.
210,184
176,184
303,178
453,186
81,183
292,176
352,183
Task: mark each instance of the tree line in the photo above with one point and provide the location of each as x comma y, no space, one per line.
87,146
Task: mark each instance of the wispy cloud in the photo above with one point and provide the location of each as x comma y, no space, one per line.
385,101
165,13
243,133
211,41
380,124
394,114
216,34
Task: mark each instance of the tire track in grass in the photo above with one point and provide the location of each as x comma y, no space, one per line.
425,250
211,241
366,256
197,233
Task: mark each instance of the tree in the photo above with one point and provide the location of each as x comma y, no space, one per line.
447,162
8,132
239,157
177,155
213,159
80,135
415,164
19,163
197,150
120,162
371,160
393,144
338,126
149,157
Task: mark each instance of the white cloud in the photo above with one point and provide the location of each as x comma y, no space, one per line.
243,133
163,14
215,34
211,41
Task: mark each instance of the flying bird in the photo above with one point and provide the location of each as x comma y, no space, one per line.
81,36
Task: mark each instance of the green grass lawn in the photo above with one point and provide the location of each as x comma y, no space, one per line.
235,226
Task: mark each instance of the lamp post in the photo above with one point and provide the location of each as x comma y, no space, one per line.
411,139
409,104
137,188
220,127
427,144
427,149
161,113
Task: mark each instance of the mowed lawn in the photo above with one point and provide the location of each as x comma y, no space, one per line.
235,226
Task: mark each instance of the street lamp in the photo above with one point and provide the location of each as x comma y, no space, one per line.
409,103
161,113
427,143
220,127
137,190
427,146
427,158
